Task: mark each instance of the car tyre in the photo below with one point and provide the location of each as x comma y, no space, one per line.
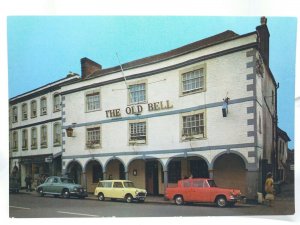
221,201
41,192
179,200
65,193
128,198
101,197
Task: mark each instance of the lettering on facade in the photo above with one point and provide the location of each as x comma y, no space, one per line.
138,109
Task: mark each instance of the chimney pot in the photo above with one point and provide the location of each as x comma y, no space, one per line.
263,20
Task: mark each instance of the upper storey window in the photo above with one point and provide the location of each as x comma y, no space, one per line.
24,112
56,102
15,114
92,101
193,80
43,106
137,93
33,109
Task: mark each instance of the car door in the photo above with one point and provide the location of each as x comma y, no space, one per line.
56,186
201,194
118,190
48,185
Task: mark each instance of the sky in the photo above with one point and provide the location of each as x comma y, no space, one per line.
43,49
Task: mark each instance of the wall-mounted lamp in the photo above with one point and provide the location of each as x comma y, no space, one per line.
225,107
69,132
134,173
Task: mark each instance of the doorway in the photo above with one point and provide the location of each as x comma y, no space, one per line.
152,177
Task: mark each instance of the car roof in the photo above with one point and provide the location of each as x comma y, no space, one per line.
115,181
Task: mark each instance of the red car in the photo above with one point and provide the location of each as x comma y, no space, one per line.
202,190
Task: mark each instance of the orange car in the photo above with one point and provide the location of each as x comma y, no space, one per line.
202,190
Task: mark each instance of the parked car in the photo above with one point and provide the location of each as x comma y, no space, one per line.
14,185
61,186
119,189
202,190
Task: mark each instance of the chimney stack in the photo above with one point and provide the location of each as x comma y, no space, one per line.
88,67
263,39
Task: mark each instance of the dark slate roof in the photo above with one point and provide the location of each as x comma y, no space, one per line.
283,134
219,38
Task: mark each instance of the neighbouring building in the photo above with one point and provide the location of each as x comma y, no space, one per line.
208,109
35,132
282,168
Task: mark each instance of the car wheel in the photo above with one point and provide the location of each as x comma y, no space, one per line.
179,200
65,193
221,201
128,198
101,197
41,192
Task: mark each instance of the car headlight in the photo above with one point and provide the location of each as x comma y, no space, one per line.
75,189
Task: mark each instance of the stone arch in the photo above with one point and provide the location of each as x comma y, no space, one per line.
75,171
115,168
184,165
94,173
229,171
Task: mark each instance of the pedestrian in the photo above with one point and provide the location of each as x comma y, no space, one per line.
269,189
28,181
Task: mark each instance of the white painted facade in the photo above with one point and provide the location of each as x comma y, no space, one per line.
230,71
31,159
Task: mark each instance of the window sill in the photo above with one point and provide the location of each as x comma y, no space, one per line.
24,149
44,146
137,142
192,138
95,110
56,144
182,94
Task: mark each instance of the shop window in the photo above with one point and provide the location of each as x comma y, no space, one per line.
97,173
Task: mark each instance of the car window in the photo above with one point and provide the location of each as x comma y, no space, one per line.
49,180
67,181
105,184
186,183
118,185
205,184
211,183
128,184
55,180
198,183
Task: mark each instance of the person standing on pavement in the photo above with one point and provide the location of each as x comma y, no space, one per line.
28,181
269,189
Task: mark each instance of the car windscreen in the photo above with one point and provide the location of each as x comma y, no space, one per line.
67,181
211,183
129,185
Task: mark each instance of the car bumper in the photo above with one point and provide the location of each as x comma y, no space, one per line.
79,194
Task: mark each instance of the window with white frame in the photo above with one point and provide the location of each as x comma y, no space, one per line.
57,134
15,114
33,138
24,139
33,109
193,125
56,102
43,106
24,111
92,101
193,81
15,140
137,93
44,136
93,137
137,132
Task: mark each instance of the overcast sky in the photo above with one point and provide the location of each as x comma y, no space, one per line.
44,49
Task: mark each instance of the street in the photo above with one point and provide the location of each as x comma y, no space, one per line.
31,205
